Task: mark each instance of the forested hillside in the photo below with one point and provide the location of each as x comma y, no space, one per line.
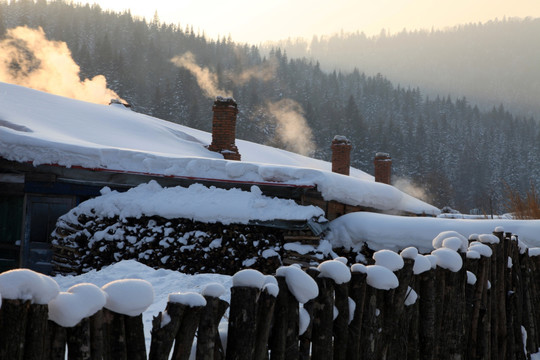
460,156
490,63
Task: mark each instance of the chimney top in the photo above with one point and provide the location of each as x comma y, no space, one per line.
341,155
340,140
225,101
383,167
382,155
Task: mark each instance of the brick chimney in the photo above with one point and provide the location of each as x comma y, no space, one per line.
383,167
224,128
341,155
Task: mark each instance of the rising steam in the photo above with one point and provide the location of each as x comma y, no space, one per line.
264,72
206,79
408,187
292,128
27,58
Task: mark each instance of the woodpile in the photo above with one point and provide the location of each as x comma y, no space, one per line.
179,244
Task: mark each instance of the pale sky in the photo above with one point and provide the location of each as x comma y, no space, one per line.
257,21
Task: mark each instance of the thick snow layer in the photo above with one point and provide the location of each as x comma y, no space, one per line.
335,270
472,254
534,251
489,238
421,264
389,259
299,283
213,290
42,128
197,202
381,277
360,268
381,231
448,259
459,242
190,299
248,278
409,253
129,296
480,248
68,308
26,284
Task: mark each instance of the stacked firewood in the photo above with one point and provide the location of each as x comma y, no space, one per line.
180,244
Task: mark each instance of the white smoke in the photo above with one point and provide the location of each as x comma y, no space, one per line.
292,128
409,187
206,79
28,58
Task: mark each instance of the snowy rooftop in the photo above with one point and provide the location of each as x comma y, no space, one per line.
42,128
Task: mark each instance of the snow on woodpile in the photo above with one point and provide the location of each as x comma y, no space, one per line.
379,231
197,203
42,128
195,229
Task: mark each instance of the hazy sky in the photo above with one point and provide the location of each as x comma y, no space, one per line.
258,21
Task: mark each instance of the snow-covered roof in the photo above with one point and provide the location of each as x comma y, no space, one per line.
42,128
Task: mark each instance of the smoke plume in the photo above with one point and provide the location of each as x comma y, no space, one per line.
28,59
408,187
206,79
292,128
264,72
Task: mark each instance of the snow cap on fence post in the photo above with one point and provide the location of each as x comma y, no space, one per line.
25,284
78,302
448,259
129,296
381,277
389,259
248,278
438,241
300,284
335,270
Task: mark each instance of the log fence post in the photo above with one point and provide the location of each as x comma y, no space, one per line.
357,293
13,319
242,316
323,314
207,334
186,332
164,332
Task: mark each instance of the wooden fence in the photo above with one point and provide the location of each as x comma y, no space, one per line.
494,318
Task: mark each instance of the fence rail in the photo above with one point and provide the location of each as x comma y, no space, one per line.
455,317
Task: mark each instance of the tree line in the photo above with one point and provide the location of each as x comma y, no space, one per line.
459,155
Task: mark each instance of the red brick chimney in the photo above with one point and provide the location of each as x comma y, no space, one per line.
341,155
224,128
383,167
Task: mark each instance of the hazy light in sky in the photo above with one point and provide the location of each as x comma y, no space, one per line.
257,21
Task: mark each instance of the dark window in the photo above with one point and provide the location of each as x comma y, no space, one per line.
41,215
11,213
